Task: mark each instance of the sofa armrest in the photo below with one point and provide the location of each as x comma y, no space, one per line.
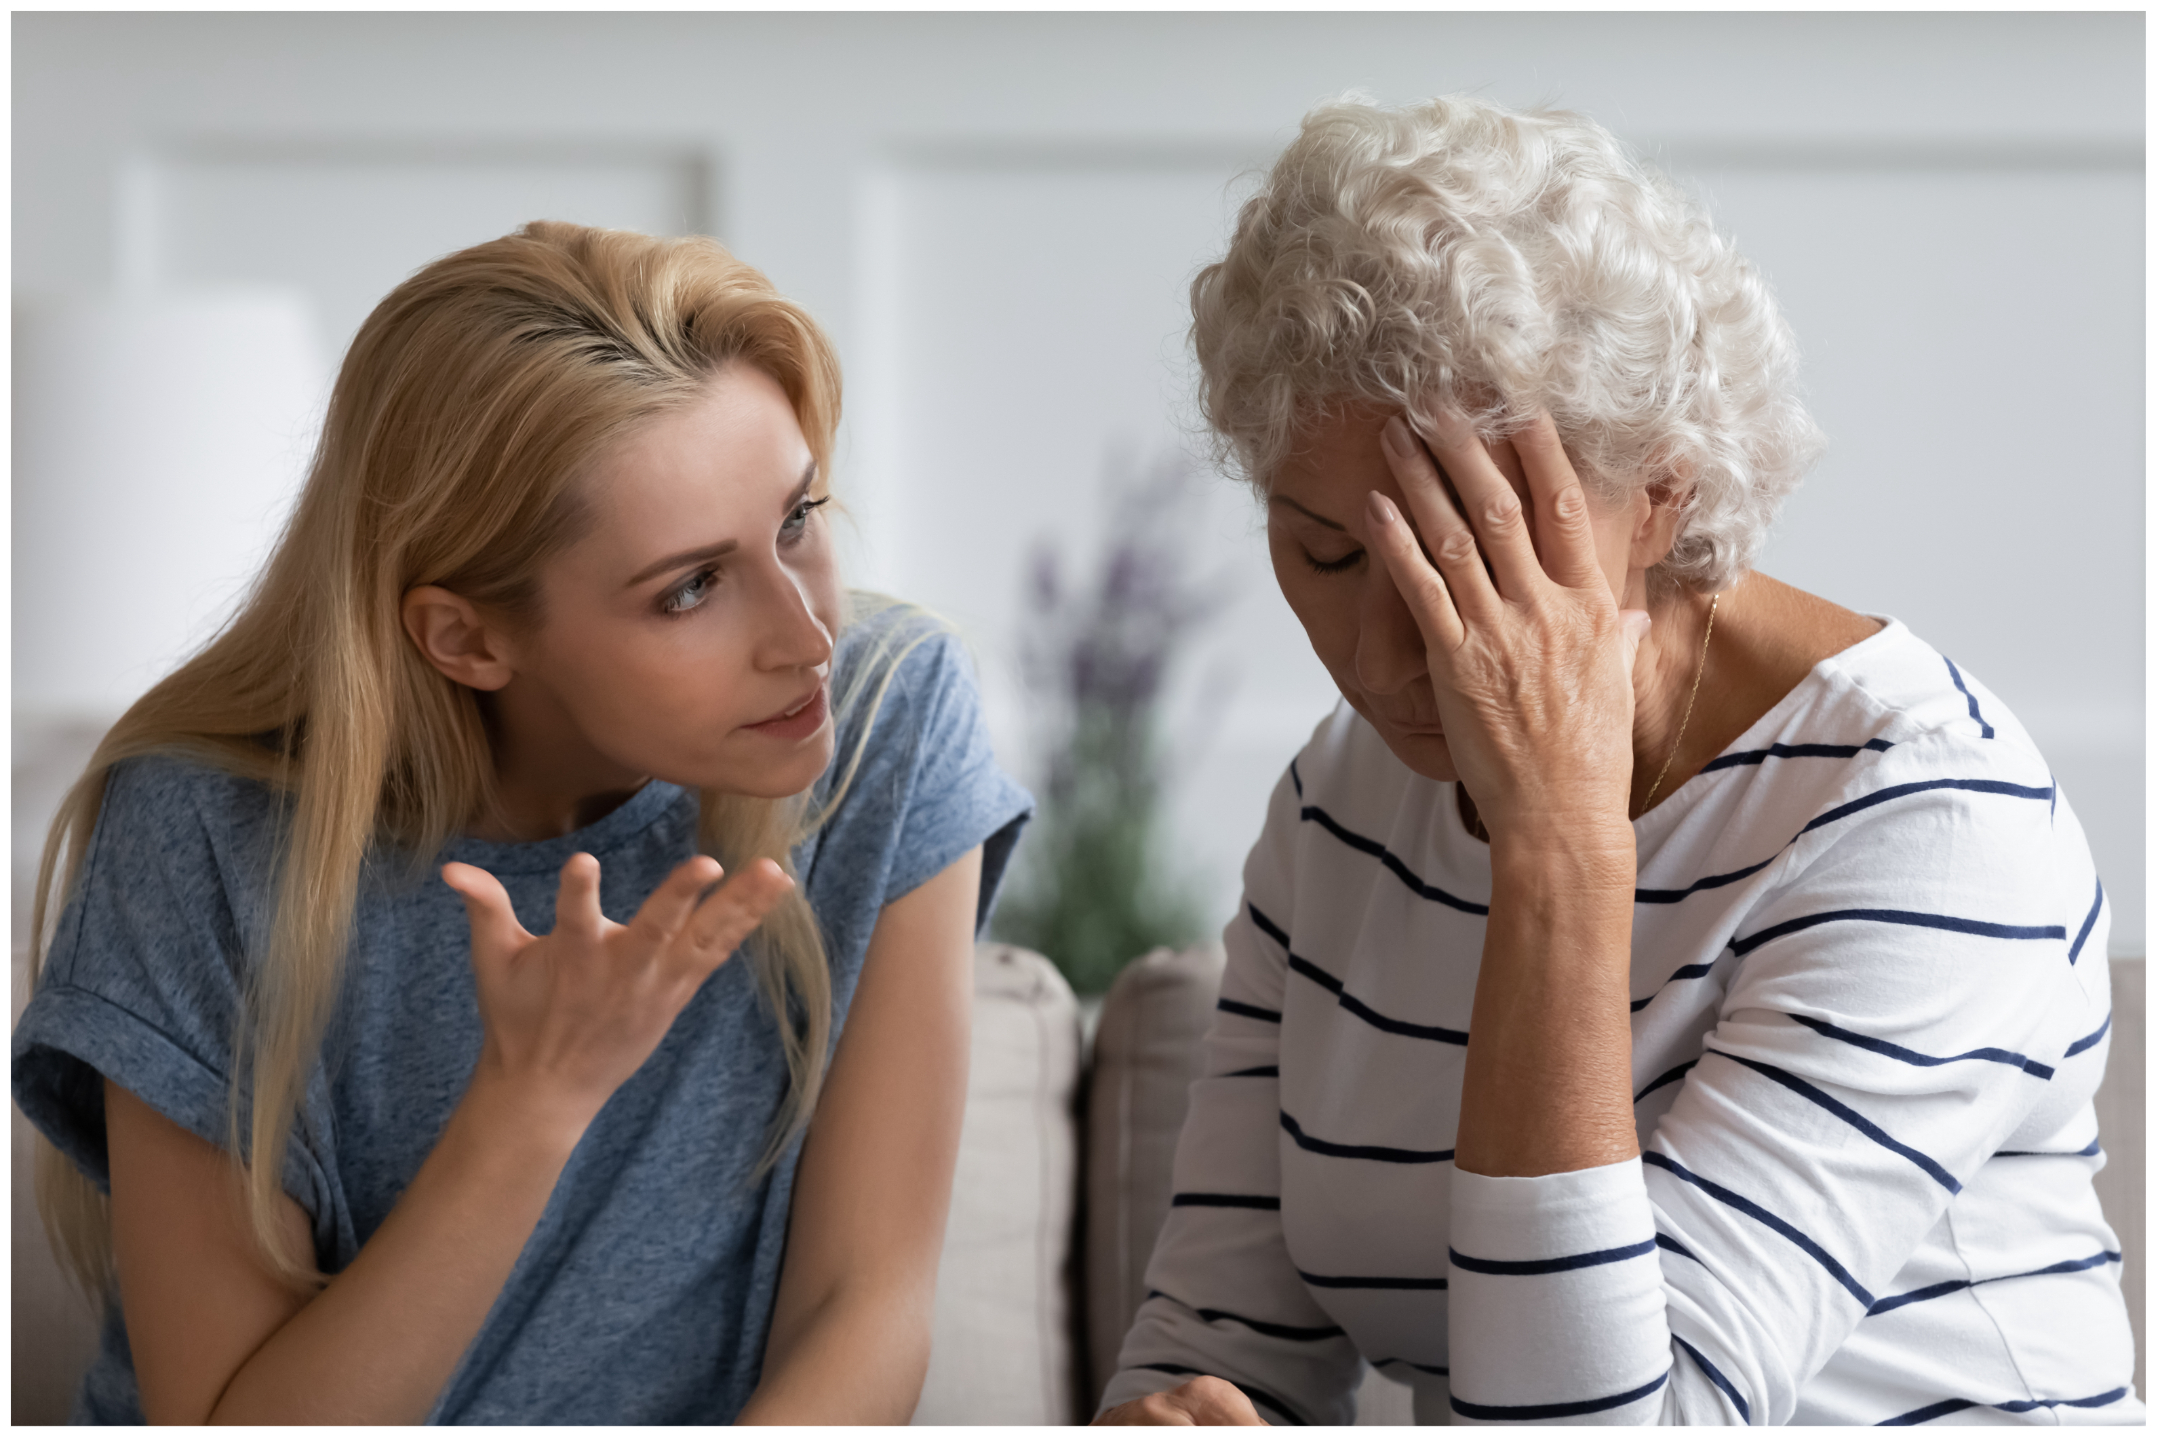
1001,1332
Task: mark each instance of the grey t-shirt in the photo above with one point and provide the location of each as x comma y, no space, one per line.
645,1293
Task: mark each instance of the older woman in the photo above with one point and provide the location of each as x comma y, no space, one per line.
1661,995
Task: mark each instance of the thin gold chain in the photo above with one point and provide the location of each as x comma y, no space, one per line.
1688,714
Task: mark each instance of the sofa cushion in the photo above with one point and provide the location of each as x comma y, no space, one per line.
1001,1339
1147,1054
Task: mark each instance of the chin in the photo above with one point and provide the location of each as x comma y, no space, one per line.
776,778
765,776
1426,755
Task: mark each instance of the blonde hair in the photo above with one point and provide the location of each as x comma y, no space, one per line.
1459,258
468,407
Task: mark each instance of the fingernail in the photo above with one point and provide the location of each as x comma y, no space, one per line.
1396,436
1383,513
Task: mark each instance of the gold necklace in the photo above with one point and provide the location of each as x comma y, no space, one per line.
1686,715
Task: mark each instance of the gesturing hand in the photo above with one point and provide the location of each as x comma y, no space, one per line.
1205,1401
570,1015
1530,663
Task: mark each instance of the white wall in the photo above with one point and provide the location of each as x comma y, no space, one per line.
996,215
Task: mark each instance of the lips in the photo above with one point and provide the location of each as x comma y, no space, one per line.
803,718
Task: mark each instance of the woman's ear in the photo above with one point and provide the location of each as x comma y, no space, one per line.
1658,525
453,637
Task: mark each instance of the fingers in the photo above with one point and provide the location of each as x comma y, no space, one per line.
577,896
1147,1410
1565,543
730,913
1211,1401
1202,1401
495,927
1415,579
669,908
1434,518
1494,512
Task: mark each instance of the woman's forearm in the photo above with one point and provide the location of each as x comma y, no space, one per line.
857,1359
379,1342
850,1335
1546,1079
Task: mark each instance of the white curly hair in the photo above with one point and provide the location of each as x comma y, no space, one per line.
1457,258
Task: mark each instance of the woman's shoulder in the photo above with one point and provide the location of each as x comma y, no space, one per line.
882,631
1887,719
176,836
170,790
146,967
1907,718
182,825
1919,692
1891,772
913,762
901,677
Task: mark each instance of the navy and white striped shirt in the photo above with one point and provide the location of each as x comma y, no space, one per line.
1871,1009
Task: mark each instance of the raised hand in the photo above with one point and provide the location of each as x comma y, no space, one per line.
1202,1401
1530,660
570,1015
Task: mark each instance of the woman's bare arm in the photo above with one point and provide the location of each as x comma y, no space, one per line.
850,1337
1531,661
217,1337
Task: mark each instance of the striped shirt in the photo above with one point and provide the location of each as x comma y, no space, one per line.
1871,1008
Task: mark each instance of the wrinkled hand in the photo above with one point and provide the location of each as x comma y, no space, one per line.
570,1015
1204,1401
1530,663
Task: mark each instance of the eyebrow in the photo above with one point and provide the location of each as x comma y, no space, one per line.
1309,514
714,552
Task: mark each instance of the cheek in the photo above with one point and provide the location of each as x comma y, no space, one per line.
1325,605
635,674
656,690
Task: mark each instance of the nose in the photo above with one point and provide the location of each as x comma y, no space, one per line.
790,635
1390,651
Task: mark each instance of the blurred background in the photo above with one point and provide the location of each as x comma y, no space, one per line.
997,217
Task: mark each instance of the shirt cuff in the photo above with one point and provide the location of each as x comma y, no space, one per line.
1556,1300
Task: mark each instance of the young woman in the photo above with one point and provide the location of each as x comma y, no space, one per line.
579,1131
1662,996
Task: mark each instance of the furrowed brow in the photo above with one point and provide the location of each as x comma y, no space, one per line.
1312,515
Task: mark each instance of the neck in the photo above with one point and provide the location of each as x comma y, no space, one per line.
549,780
1668,667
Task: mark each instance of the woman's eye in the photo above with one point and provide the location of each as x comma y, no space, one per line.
1334,567
799,517
689,595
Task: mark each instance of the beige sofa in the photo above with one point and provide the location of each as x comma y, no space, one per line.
1063,1180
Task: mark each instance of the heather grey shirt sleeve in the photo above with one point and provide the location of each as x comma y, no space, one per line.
144,979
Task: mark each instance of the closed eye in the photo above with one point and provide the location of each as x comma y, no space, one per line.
1334,567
